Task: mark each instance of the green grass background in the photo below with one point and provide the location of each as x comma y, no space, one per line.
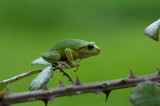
29,28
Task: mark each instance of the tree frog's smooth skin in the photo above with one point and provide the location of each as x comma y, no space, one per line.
70,50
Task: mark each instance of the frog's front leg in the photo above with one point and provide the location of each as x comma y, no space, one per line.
71,54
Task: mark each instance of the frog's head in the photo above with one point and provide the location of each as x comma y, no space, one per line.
87,50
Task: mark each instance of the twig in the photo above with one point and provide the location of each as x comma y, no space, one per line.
65,74
105,87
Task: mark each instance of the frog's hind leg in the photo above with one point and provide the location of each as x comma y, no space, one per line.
63,64
51,57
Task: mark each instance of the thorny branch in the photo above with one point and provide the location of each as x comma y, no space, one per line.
77,88
64,73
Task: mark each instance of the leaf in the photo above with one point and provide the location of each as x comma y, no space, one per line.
18,77
40,61
41,79
153,30
146,94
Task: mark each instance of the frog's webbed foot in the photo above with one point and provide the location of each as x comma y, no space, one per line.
62,65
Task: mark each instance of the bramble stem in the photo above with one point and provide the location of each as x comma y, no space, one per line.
96,87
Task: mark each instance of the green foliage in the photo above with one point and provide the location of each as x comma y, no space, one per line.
40,61
41,79
153,30
146,94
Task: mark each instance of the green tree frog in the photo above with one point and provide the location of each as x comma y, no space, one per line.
63,55
67,51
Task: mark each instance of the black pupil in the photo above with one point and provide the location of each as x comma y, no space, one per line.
90,47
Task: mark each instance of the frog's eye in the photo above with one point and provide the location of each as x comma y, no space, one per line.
90,47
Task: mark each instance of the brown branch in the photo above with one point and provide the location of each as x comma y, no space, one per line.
76,89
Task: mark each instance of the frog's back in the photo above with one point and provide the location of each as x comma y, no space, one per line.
73,44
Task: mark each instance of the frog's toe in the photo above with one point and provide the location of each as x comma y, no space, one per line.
74,63
62,65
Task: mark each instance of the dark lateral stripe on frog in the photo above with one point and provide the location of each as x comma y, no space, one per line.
81,48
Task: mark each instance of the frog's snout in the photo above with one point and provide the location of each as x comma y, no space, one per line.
97,51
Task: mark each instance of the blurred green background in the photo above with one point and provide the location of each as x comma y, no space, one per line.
29,28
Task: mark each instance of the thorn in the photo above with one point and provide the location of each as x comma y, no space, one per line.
45,86
51,98
61,83
158,70
65,74
8,91
107,94
45,101
131,74
77,81
98,93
